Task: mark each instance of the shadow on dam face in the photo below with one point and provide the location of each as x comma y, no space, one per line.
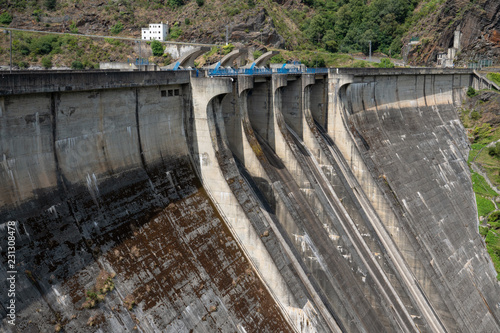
123,199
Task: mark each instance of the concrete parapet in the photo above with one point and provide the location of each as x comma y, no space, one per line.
35,82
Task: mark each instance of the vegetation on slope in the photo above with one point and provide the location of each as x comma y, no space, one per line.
77,52
321,26
483,126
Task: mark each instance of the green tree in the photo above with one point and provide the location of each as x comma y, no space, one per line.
157,48
5,18
200,2
330,41
316,29
37,13
385,63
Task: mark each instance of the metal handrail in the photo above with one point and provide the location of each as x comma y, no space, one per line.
265,71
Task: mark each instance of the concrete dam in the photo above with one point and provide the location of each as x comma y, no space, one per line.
177,202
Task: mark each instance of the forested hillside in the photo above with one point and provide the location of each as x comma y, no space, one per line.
322,26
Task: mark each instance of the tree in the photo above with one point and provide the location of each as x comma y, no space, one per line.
330,42
157,48
200,2
385,63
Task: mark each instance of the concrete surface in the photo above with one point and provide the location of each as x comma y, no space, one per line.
306,203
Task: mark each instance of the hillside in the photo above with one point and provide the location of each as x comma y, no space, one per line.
319,26
481,118
434,24
322,26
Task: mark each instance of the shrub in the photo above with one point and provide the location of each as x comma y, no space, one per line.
495,151
175,32
475,115
73,28
360,64
157,48
226,49
47,62
37,13
175,3
385,63
22,64
5,18
257,54
187,21
77,65
117,28
277,59
200,2
495,216
50,4
251,3
471,92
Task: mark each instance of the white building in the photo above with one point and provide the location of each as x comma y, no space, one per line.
156,31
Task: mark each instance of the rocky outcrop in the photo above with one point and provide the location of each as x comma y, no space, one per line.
479,24
259,28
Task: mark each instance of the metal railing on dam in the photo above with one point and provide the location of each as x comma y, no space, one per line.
265,71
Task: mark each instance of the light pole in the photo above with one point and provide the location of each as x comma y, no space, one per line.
370,50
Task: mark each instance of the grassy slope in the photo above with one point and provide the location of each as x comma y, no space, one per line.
480,119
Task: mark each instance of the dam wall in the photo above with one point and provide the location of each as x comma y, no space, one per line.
414,118
336,202
100,185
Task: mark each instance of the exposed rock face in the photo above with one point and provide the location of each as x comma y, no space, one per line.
478,22
260,28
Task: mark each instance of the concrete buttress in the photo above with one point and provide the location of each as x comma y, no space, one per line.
220,177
